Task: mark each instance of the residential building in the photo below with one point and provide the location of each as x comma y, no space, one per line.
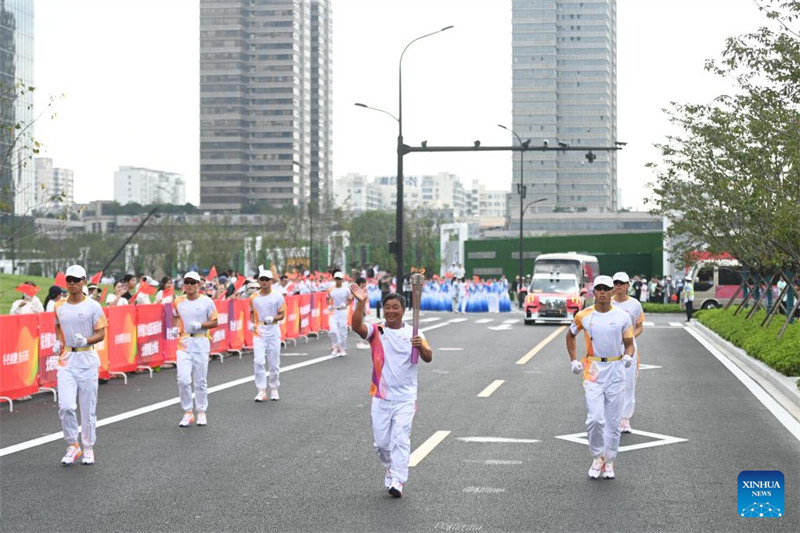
17,177
564,90
53,182
265,103
146,186
357,193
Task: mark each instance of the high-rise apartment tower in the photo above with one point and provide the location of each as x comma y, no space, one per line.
265,103
565,90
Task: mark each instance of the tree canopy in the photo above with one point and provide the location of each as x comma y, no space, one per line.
730,182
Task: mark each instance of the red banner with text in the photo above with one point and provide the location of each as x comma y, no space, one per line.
19,349
292,319
219,335
48,361
305,314
169,346
238,316
149,335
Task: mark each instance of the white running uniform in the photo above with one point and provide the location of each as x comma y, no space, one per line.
267,339
633,307
193,350
394,396
77,371
338,318
603,382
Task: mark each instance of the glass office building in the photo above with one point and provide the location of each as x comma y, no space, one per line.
17,176
265,103
564,90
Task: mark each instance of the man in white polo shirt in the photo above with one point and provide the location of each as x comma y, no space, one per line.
80,324
267,309
633,307
609,345
197,314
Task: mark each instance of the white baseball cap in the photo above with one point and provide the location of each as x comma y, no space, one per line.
621,276
603,280
264,272
192,275
76,271
338,275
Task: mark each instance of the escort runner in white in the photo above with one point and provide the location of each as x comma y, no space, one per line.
267,309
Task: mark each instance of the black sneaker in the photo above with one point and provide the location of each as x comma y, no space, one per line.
395,492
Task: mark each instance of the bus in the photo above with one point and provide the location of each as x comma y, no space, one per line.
583,267
560,287
715,282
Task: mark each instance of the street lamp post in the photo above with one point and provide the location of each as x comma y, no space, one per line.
310,222
521,190
401,151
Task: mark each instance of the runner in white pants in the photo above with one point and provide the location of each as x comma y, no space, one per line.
80,324
339,299
197,315
394,384
609,343
267,308
633,307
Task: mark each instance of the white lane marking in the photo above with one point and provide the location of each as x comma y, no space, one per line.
503,440
435,326
430,319
449,349
150,408
484,320
660,440
648,324
511,321
457,320
439,371
501,462
676,324
501,327
539,347
643,366
292,354
427,447
485,393
768,401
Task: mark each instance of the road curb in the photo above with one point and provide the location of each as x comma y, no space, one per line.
786,385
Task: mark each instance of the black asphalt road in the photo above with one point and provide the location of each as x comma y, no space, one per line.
306,463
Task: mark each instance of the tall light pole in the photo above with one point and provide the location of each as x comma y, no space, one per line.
310,220
401,151
521,189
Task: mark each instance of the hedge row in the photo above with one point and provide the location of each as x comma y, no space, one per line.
660,308
762,343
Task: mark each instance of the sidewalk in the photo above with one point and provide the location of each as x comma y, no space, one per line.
781,388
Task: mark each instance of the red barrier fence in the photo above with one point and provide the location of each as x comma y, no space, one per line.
19,348
219,335
305,314
48,361
149,335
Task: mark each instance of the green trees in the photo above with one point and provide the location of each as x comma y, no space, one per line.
730,182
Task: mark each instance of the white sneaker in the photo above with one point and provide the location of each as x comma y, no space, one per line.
625,425
188,418
396,489
88,456
273,395
201,419
334,352
261,396
72,456
597,466
342,354
608,471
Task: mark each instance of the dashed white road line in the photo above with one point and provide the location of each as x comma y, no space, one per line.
457,320
676,324
485,393
427,447
511,321
528,356
484,320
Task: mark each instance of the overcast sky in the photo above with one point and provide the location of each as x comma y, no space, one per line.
129,73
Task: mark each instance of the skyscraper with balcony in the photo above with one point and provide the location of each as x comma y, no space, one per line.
265,103
564,90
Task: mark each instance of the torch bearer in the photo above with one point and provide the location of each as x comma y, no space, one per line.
417,280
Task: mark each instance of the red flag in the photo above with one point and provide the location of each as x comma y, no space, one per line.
146,288
30,290
212,274
167,292
61,280
103,296
239,282
96,278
